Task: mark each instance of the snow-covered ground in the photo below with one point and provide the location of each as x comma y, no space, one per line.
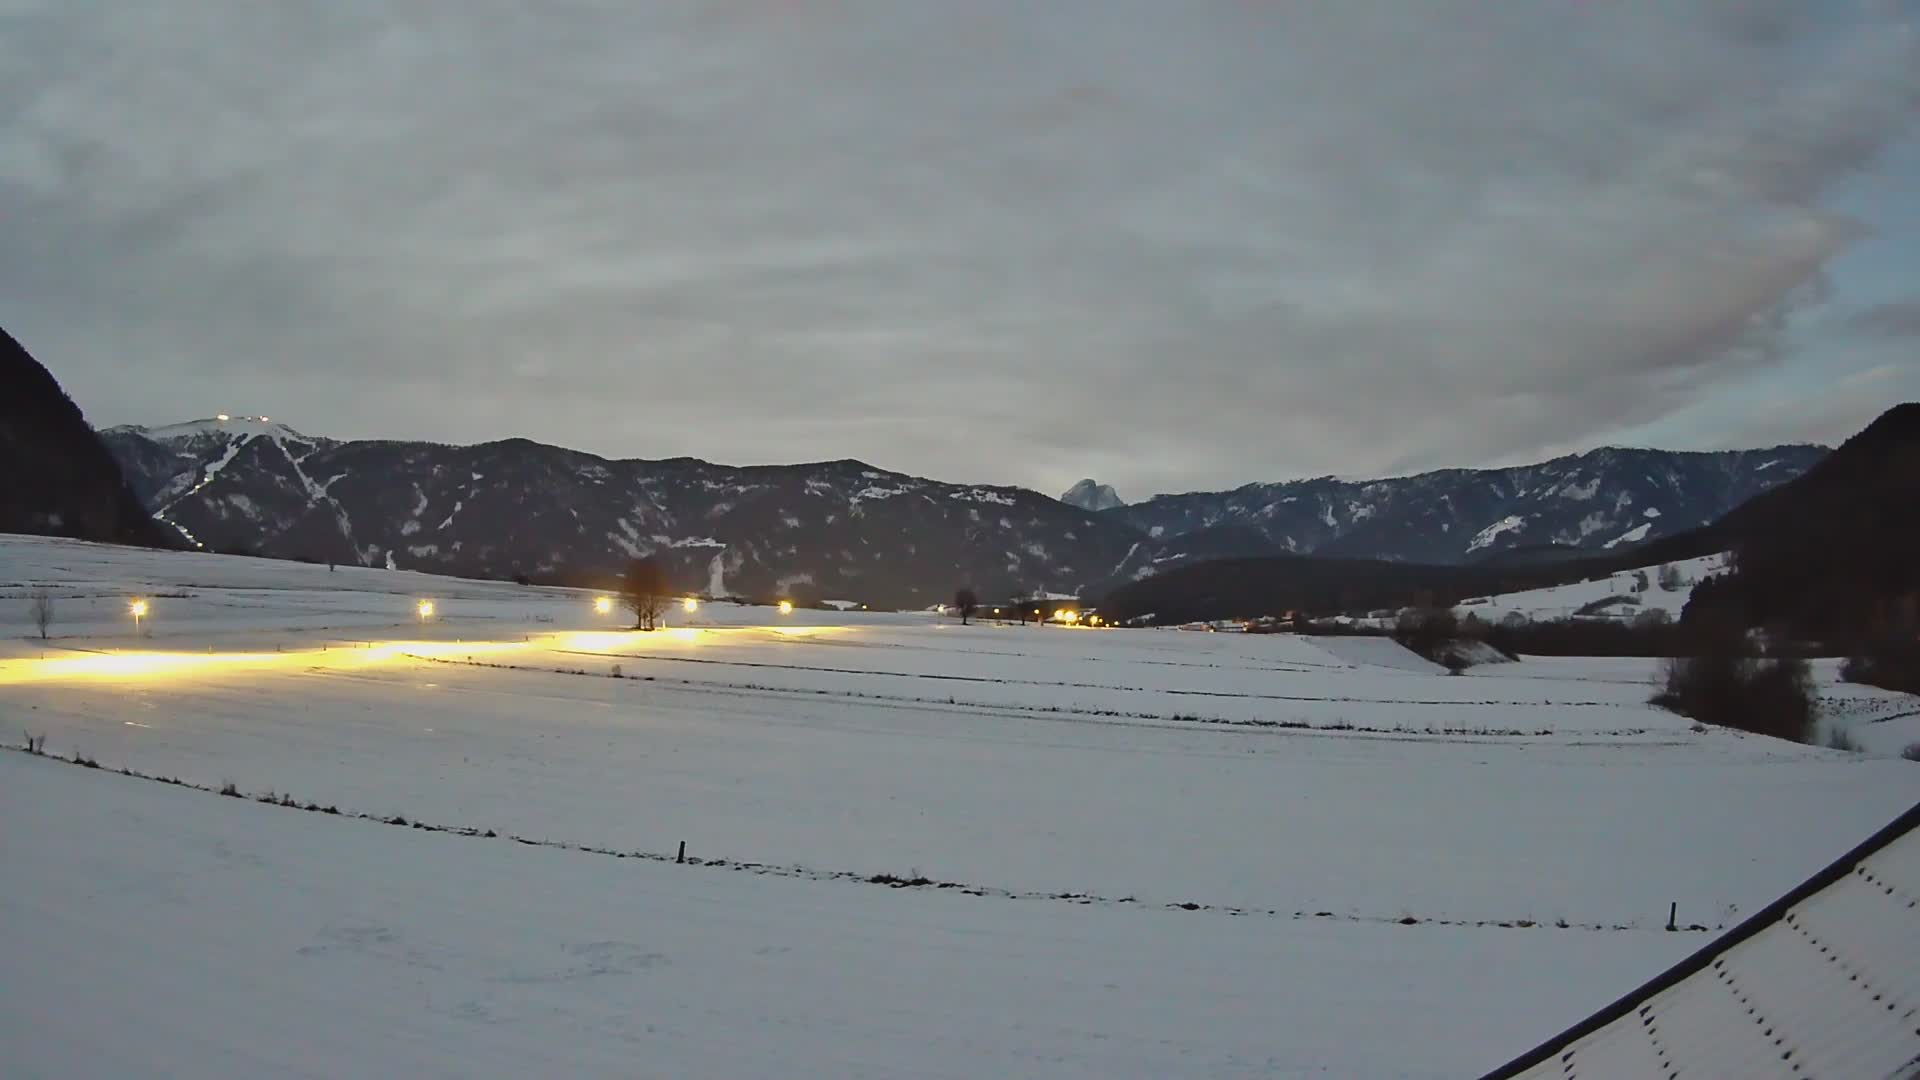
1564,601
1200,799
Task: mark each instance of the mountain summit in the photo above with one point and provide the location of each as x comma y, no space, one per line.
1093,497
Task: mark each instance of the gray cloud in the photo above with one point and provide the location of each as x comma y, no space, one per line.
1895,320
1167,245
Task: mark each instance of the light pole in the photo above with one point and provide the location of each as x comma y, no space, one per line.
138,609
425,608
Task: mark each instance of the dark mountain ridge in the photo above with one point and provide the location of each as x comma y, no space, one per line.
1830,551
1601,499
59,478
845,529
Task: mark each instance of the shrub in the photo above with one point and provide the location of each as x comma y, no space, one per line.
1719,685
1841,740
40,610
1426,630
1891,663
1912,752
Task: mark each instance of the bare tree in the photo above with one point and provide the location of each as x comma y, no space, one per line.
967,602
644,591
1669,577
41,609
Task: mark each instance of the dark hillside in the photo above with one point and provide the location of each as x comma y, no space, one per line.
59,479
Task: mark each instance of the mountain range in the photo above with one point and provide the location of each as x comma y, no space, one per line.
848,530
1826,556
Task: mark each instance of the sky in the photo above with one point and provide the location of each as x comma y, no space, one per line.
1173,246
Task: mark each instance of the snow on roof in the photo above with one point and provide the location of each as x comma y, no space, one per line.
1821,983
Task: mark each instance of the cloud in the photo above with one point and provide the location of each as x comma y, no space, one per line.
1169,246
1894,320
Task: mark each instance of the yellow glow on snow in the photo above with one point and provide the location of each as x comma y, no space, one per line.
158,666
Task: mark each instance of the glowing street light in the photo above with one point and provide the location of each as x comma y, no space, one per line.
138,609
603,605
223,417
690,605
425,608
786,607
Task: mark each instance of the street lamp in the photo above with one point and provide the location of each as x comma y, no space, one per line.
603,605
425,608
138,609
690,605
786,607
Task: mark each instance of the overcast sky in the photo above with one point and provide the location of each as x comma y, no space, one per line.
1170,244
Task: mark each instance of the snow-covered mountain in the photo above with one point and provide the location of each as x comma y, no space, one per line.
847,530
1088,495
1600,500
828,530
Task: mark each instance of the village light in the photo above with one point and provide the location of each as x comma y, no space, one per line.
690,605
223,416
786,607
138,609
425,608
603,605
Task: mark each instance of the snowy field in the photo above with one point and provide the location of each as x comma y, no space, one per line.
1149,853
1623,588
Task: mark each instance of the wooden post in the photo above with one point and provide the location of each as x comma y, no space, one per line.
1673,909
682,857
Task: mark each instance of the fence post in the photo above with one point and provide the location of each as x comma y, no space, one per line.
682,857
1673,909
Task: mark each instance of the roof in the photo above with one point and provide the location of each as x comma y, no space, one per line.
1823,982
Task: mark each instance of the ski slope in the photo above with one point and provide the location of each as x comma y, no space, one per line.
1149,852
1565,601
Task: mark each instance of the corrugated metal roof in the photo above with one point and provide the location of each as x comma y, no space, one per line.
1825,982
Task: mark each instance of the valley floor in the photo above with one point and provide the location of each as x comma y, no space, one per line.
1166,853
